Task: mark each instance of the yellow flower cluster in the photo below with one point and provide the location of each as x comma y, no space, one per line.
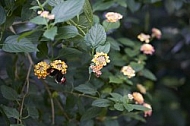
59,65
41,68
113,17
128,71
100,59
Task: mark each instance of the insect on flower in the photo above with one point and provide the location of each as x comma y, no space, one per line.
59,77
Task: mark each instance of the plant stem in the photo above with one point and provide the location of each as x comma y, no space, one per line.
52,103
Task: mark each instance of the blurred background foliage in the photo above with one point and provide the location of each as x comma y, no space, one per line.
170,63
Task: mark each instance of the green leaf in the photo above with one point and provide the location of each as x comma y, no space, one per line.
111,122
39,20
140,107
88,12
115,79
101,103
67,52
67,10
133,6
67,32
131,52
12,44
136,66
122,3
10,112
91,113
128,107
104,48
96,36
135,116
33,112
110,25
119,106
2,15
114,44
51,33
86,89
126,42
9,93
43,50
116,96
100,5
148,74
54,2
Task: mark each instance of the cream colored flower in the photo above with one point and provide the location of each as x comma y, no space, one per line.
156,33
51,16
148,112
141,88
128,71
59,65
138,97
147,49
113,16
100,59
45,14
130,96
144,38
40,69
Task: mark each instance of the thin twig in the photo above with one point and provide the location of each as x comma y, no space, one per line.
52,103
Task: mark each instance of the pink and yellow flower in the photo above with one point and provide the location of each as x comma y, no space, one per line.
59,65
144,38
148,112
128,71
147,49
156,33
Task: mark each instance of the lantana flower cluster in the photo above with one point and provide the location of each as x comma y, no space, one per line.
113,17
99,60
57,68
128,71
148,48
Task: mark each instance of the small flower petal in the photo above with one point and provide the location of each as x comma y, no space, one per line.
113,16
156,33
128,71
148,112
138,97
144,38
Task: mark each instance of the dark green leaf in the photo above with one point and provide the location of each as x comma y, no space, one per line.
133,6
131,52
122,3
39,20
148,74
88,12
126,42
67,10
103,48
33,112
87,123
67,32
109,25
102,5
128,107
43,50
10,112
12,44
111,123
2,15
86,89
116,95
50,33
101,103
69,52
136,66
96,36
119,106
9,93
135,116
114,43
91,113
115,79
55,2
